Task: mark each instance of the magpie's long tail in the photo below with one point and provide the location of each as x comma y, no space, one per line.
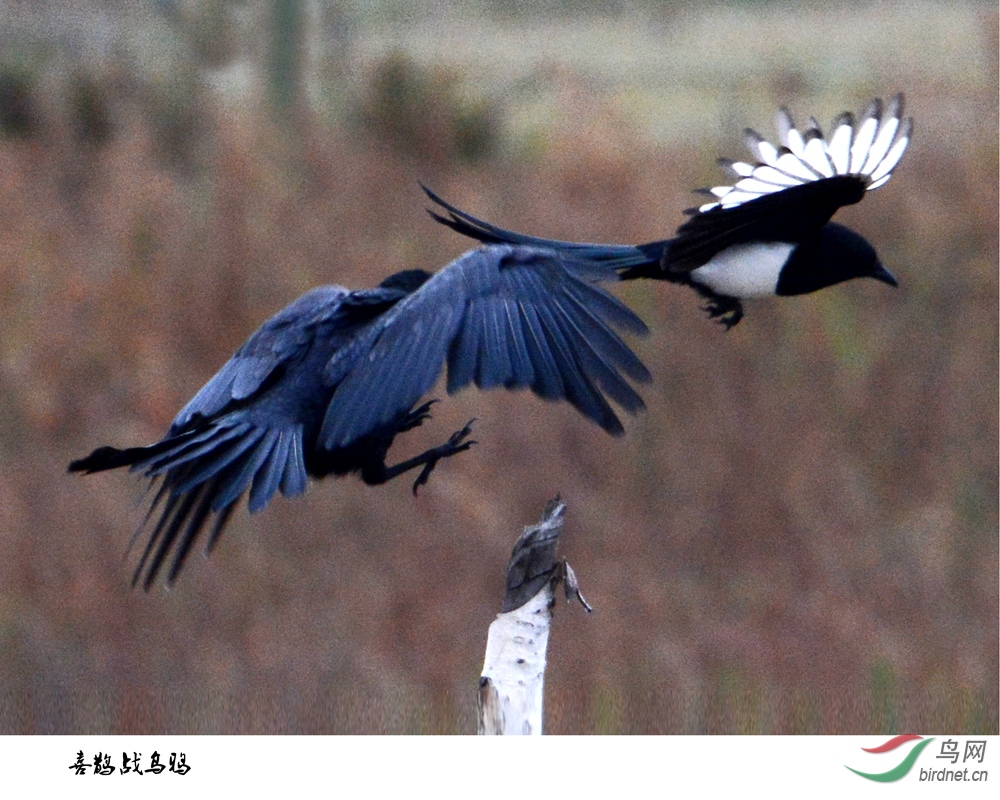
204,474
629,261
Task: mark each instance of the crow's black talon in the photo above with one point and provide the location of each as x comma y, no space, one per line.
418,416
425,473
457,436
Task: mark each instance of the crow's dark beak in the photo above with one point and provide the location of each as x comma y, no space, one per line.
882,274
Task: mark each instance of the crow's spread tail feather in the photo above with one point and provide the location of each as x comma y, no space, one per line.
204,473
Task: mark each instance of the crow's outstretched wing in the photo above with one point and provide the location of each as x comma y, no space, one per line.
510,316
271,346
244,432
358,362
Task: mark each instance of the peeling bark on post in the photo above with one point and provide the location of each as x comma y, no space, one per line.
512,683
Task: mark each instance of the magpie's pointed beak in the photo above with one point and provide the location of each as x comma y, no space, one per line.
882,274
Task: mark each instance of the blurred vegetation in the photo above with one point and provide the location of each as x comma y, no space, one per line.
798,536
422,115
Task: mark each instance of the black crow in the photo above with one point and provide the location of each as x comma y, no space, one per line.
769,233
324,386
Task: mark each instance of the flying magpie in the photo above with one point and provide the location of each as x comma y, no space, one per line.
768,233
325,386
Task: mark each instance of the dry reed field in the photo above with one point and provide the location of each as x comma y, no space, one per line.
798,535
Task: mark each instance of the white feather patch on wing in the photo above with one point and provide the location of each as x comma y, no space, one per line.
869,148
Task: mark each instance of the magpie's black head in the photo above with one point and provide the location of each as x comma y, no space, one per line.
409,280
837,254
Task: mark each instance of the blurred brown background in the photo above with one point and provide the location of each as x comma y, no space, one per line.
798,536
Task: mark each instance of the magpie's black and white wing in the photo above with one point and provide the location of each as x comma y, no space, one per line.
867,149
795,187
499,316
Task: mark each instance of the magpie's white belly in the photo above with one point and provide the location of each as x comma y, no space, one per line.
745,270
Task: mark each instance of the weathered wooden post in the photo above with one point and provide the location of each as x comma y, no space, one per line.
512,683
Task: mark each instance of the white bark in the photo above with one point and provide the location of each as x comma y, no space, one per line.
512,685
511,688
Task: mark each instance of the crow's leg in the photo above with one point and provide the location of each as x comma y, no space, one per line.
377,473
